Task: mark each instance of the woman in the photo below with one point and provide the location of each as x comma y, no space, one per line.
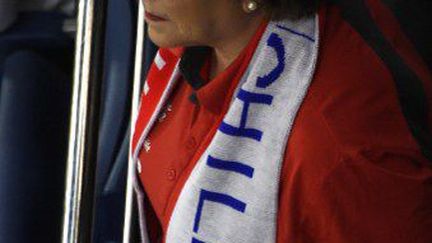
283,121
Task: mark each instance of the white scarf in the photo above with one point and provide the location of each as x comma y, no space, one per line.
232,193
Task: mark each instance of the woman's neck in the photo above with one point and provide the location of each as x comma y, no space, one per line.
226,50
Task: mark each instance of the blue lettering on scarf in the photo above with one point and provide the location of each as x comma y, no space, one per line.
248,98
295,32
276,43
233,166
216,197
195,240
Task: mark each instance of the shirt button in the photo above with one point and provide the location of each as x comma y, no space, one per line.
171,174
191,143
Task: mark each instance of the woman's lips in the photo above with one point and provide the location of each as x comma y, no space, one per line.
153,17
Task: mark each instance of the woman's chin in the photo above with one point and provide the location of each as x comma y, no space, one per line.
163,40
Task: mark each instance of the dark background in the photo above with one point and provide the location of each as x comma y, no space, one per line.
415,17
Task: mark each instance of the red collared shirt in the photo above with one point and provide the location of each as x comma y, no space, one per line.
352,170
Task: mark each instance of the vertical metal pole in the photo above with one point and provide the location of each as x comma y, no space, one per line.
81,161
134,114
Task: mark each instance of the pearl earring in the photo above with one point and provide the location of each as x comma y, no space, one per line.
250,6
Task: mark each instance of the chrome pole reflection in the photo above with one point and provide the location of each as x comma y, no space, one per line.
137,84
78,205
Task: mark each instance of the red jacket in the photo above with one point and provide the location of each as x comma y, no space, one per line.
353,170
